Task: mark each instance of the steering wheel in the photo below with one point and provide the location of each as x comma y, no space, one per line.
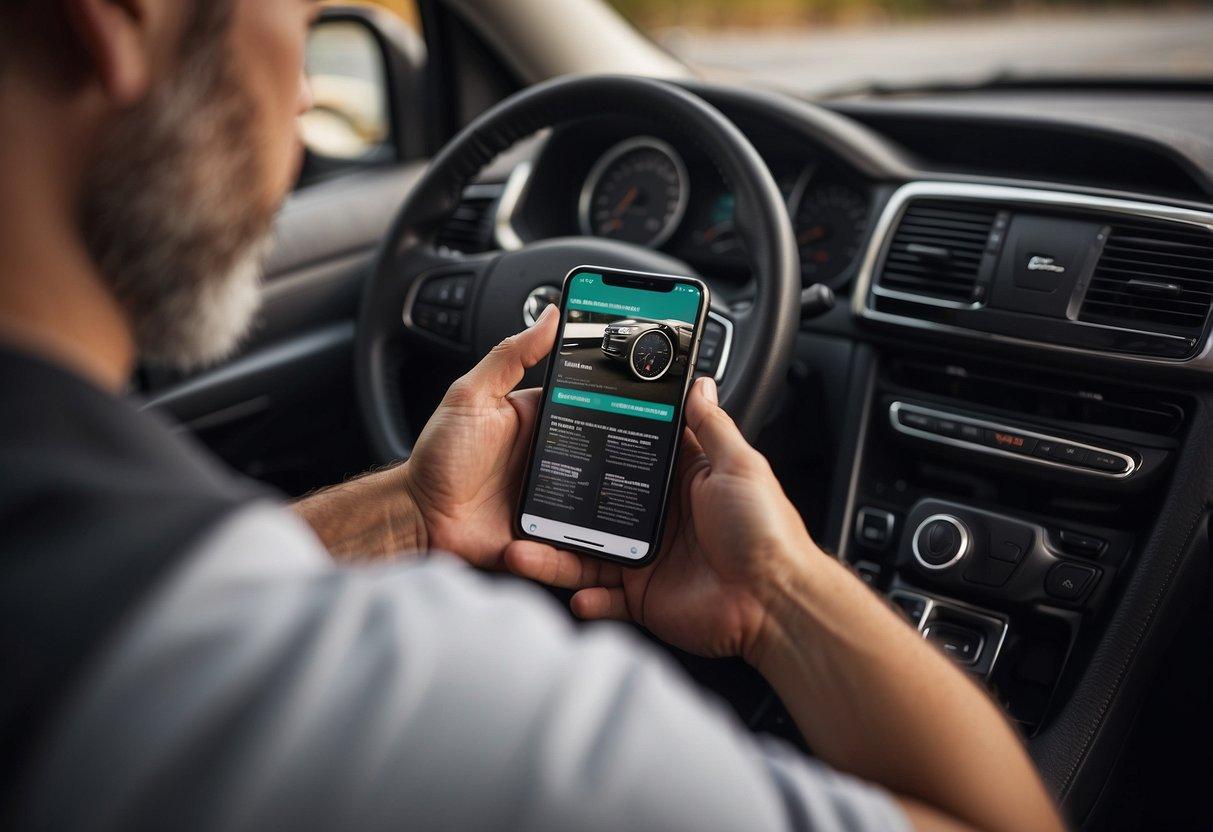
423,298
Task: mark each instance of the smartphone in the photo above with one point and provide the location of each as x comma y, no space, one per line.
606,437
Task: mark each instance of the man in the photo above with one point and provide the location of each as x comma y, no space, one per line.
181,651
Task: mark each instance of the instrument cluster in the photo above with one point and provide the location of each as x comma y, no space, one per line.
642,191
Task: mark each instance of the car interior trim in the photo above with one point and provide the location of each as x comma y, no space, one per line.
725,345
883,235
930,604
896,408
239,380
503,221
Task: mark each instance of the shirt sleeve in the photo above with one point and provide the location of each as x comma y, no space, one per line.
263,687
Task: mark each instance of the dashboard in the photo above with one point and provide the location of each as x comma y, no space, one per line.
1005,423
1004,430
662,193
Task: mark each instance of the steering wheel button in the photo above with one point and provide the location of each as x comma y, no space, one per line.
423,316
459,291
429,291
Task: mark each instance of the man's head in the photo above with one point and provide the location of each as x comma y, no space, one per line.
189,109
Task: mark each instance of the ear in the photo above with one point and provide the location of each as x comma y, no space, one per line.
116,36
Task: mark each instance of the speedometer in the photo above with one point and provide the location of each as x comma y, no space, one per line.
652,354
830,223
636,192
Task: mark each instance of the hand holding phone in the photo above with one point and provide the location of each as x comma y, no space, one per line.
603,453
732,541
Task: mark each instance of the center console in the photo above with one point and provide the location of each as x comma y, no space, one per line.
1001,503
999,508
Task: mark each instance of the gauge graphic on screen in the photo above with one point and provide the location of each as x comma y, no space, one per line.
652,355
830,223
650,348
636,192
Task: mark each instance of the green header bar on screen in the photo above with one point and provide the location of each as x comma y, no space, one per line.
588,292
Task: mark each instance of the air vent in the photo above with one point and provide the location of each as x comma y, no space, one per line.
1155,276
469,229
937,249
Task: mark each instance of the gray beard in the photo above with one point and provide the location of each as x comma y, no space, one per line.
169,220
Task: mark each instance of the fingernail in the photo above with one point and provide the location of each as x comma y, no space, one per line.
546,313
709,390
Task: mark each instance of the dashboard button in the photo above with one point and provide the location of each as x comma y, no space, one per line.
1045,448
947,427
1082,544
1069,581
1008,550
874,528
918,421
970,433
1104,461
989,572
1072,454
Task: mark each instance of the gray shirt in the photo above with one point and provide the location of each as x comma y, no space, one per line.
261,686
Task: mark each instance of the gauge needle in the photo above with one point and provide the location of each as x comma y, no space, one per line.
811,234
626,202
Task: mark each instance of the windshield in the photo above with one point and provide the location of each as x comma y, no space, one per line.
839,46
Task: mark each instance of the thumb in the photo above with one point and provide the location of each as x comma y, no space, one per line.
500,371
722,442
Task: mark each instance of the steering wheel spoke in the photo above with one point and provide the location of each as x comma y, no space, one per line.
437,307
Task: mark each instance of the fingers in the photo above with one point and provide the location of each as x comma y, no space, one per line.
526,402
501,370
557,567
601,602
719,437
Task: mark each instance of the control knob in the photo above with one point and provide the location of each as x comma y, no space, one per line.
940,541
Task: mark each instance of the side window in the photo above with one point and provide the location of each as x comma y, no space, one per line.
364,65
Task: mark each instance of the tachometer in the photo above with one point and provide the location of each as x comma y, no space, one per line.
636,192
830,223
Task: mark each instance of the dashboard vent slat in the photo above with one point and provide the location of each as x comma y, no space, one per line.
469,228
1154,276
937,249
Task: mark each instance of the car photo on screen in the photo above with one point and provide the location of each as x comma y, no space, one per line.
648,348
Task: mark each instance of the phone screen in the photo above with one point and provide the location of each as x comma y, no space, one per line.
611,414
